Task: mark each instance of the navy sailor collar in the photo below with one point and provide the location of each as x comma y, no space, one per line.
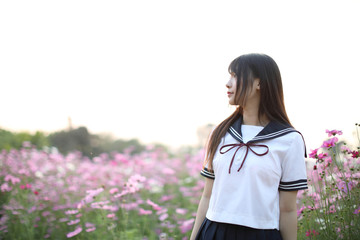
272,130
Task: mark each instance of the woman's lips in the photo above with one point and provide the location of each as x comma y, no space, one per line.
229,94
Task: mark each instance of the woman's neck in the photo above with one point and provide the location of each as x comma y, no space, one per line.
251,117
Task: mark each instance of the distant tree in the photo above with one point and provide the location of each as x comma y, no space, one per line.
6,139
76,139
73,139
91,144
39,139
81,139
107,143
9,140
120,145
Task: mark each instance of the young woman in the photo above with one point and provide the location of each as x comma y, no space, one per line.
255,161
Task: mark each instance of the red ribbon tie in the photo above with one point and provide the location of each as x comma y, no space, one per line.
240,145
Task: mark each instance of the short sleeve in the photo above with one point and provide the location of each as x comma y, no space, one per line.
293,176
207,172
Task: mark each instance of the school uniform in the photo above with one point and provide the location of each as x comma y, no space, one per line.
251,165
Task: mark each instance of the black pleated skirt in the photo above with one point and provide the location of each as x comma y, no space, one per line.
210,230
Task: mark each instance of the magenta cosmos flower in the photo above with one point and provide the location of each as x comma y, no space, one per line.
330,143
333,132
74,233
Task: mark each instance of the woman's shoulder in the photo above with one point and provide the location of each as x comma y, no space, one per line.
291,137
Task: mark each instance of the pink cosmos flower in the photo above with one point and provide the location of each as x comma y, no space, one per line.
113,163
80,204
72,222
168,171
11,178
46,213
332,209
333,132
24,172
74,233
164,210
123,193
187,225
313,153
69,212
342,186
144,212
89,225
154,205
300,211
330,143
90,229
181,211
32,209
163,217
5,187
345,149
100,204
166,198
113,190
91,195
111,208
111,215
129,206
63,219
322,155
137,178
327,160
27,186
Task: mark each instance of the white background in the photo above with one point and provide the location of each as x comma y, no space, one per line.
156,70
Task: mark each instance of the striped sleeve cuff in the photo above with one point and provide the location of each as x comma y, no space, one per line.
294,185
207,173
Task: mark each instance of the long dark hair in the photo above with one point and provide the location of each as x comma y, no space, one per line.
246,68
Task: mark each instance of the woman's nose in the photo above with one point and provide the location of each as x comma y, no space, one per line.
228,85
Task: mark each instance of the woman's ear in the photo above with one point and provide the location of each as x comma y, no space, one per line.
257,83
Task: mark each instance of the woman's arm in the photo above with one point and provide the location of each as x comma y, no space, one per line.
203,207
288,215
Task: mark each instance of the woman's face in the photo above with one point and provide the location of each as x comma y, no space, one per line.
252,94
231,92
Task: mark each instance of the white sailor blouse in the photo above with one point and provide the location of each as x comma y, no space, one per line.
248,174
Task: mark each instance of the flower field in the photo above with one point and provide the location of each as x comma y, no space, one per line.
330,209
47,195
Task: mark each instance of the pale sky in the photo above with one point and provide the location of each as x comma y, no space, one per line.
156,70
